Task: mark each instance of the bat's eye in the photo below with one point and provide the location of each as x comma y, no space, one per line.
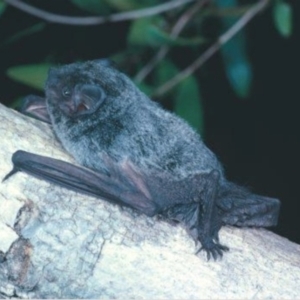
66,92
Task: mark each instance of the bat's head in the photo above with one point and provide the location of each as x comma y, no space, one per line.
80,89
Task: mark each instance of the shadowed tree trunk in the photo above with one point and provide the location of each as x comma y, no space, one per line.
55,243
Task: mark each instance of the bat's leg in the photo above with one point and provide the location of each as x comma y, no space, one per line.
209,220
201,217
35,106
121,185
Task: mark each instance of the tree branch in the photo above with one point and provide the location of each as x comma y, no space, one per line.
58,244
88,21
162,52
223,39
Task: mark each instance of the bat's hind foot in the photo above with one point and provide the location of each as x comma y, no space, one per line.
213,249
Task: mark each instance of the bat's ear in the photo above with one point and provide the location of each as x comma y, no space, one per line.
35,106
106,62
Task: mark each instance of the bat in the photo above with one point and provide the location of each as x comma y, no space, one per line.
134,153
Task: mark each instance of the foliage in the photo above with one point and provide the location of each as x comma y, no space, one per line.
2,7
32,75
237,64
181,34
282,13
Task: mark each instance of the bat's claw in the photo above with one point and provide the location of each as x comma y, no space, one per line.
12,172
214,250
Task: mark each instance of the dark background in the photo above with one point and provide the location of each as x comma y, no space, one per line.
257,139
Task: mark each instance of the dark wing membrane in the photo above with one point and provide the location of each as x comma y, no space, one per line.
122,185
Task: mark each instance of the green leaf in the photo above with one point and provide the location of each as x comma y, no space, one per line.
140,32
164,72
148,32
93,6
237,65
283,15
3,6
188,103
31,75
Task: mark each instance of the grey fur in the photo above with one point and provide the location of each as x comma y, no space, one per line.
126,125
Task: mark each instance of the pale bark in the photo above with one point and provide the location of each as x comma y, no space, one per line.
55,243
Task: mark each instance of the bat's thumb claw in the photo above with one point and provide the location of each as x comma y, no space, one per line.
12,172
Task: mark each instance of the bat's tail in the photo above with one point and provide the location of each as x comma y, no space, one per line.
242,208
